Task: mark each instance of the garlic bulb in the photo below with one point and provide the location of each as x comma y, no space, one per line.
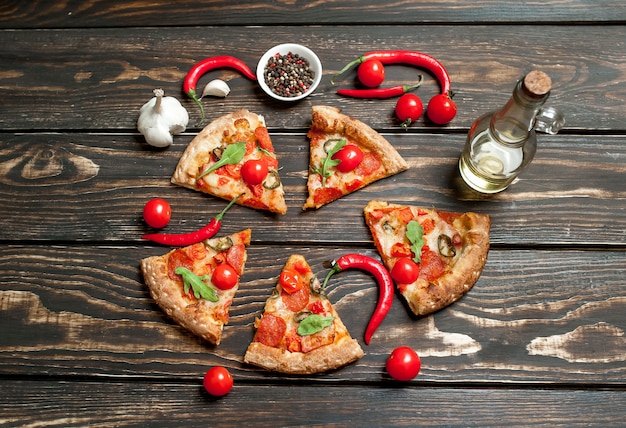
216,88
161,118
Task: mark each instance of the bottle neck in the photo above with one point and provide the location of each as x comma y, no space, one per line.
513,124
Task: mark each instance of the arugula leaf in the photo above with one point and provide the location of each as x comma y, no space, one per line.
200,289
232,154
313,324
329,162
415,234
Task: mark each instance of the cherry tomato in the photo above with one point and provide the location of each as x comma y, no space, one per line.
350,156
403,364
254,171
224,277
290,280
371,73
218,381
409,108
405,271
157,213
441,109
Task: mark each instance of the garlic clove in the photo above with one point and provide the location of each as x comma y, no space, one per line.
216,88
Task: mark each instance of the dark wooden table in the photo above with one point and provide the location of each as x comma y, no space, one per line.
540,338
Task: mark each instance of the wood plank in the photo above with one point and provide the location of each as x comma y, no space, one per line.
85,311
42,14
96,79
92,187
92,403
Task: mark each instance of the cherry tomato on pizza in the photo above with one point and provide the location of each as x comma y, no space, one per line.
403,364
409,108
349,157
224,276
441,109
371,73
405,271
157,213
291,280
218,381
254,171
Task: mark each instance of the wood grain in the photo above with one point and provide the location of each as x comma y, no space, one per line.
185,404
116,13
97,79
91,187
539,340
85,311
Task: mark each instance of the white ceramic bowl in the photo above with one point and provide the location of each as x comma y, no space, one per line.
314,64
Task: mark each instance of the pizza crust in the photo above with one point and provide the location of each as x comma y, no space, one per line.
425,297
325,358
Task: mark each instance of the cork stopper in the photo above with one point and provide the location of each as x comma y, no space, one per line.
537,83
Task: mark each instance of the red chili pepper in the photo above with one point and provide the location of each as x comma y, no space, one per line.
417,59
381,93
184,239
378,271
208,64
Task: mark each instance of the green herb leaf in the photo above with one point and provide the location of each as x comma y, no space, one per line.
313,324
200,289
328,162
415,234
232,154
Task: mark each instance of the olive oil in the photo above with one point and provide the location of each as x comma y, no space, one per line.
501,144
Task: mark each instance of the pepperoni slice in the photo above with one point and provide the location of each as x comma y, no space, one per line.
270,331
368,165
263,137
177,259
324,195
431,266
297,301
235,257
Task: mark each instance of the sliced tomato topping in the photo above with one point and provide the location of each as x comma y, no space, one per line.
270,331
230,170
324,195
406,215
302,267
293,343
401,250
317,307
257,190
428,225
354,185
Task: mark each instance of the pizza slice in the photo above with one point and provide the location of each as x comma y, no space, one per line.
434,257
345,155
231,156
300,332
195,285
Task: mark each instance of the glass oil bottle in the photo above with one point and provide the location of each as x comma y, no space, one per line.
501,144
